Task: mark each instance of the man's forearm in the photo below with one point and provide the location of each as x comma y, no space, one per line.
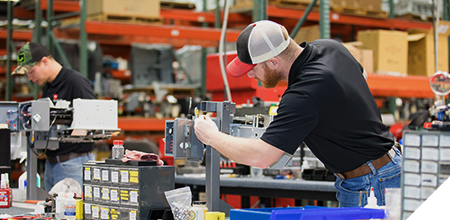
252,152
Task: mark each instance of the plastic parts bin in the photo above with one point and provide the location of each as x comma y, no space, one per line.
307,212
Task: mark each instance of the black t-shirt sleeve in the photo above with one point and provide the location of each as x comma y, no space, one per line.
83,89
297,116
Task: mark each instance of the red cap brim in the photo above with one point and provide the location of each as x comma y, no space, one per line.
236,68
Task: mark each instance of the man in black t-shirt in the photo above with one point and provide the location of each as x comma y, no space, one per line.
327,105
63,84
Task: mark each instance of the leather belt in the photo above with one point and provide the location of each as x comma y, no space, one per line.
64,157
365,169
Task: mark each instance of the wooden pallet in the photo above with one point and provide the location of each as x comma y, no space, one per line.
125,18
242,7
294,4
415,17
176,5
360,12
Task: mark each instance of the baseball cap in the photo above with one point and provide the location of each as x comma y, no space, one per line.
28,55
257,43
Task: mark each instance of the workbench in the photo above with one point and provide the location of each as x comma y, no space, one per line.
17,208
265,187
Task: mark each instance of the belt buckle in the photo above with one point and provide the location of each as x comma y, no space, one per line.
340,175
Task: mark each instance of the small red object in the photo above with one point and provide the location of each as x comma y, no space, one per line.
5,198
427,125
118,142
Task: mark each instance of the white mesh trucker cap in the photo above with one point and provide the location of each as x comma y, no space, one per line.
257,43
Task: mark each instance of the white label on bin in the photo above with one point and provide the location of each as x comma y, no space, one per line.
95,211
412,192
411,166
96,192
430,153
427,191
133,196
105,193
97,174
445,154
444,208
444,141
87,191
443,194
428,206
114,176
87,174
411,205
430,140
132,215
87,208
412,140
105,176
412,153
444,181
114,197
124,175
104,213
429,167
429,180
412,179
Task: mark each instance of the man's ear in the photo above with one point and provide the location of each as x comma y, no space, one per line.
44,61
273,63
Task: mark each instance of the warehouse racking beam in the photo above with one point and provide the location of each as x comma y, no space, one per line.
387,23
189,15
141,124
168,31
62,6
24,35
398,86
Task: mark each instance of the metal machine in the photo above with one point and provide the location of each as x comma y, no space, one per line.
41,124
440,85
181,143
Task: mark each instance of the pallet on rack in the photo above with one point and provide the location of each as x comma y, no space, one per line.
416,17
359,12
294,4
125,18
176,5
242,6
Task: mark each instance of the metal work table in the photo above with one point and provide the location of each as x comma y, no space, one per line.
266,187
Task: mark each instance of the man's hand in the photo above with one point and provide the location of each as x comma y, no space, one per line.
205,129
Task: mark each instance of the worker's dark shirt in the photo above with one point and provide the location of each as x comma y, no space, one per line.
68,85
328,105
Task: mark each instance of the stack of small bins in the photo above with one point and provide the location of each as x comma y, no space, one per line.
426,165
117,191
307,213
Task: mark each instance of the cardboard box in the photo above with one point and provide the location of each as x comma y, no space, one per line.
390,50
135,8
421,55
308,33
344,3
370,5
363,56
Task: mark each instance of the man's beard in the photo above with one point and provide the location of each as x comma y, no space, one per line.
271,77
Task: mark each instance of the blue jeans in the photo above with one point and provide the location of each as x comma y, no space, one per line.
72,168
354,192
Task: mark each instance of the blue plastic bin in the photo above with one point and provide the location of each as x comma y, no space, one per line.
307,212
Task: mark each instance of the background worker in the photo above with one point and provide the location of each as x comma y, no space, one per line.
327,105
65,84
